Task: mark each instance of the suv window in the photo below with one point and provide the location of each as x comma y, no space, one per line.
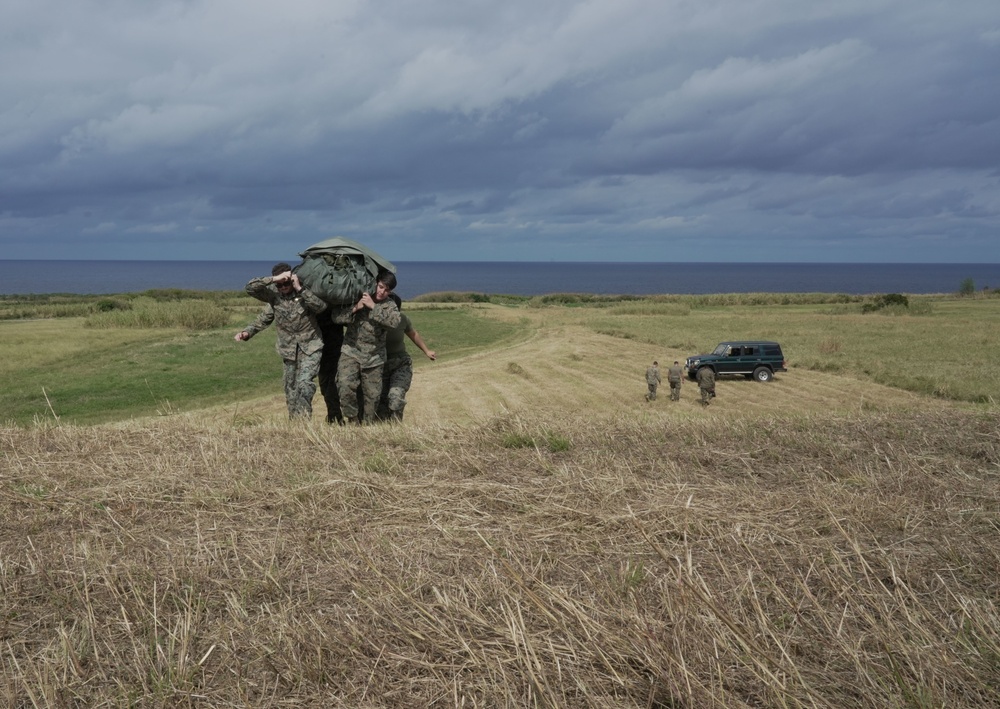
773,351
734,351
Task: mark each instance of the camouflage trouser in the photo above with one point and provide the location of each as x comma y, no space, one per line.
706,395
299,385
675,391
651,396
396,379
350,376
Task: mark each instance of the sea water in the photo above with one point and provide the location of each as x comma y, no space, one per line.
516,278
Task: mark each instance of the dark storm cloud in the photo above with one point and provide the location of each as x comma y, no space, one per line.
457,130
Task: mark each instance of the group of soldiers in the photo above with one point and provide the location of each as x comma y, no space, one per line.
675,377
357,353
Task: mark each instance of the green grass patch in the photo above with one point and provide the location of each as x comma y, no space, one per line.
133,373
517,439
556,442
456,332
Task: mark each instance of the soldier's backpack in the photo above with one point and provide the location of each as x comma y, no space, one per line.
339,270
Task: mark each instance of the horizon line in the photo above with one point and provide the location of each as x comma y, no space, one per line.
544,261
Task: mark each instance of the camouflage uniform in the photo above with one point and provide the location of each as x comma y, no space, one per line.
652,380
362,357
706,382
300,343
397,374
675,375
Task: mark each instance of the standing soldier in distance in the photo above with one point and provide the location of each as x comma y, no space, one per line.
675,376
294,309
652,381
706,383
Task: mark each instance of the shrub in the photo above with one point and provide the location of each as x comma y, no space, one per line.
106,305
515,368
967,287
17,307
830,346
895,302
147,313
175,294
451,297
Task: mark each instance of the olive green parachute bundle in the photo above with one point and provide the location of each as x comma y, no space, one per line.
339,270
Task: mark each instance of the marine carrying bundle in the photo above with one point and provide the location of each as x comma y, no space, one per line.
339,270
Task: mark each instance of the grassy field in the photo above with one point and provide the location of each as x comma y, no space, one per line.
162,352
148,360
534,534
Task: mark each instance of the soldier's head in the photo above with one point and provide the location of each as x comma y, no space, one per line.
655,363
676,362
285,286
384,287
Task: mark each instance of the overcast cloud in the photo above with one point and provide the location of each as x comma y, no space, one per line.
632,130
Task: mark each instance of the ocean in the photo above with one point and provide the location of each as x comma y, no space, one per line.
22,277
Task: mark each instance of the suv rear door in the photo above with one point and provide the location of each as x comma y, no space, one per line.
750,358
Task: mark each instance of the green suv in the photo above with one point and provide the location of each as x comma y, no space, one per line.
751,358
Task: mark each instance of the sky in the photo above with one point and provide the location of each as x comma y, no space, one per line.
478,130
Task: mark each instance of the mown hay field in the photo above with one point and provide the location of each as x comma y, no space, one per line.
533,534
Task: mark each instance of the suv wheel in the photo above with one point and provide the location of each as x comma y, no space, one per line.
763,374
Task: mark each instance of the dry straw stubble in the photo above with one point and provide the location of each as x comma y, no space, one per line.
850,561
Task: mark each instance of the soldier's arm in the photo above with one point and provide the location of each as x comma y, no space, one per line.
259,288
265,318
311,301
419,342
386,314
